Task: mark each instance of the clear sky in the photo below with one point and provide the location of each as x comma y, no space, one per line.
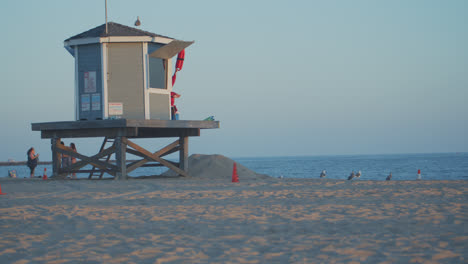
283,77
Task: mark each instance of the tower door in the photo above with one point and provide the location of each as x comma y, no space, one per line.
125,84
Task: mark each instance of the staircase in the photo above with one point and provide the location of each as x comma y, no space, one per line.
96,172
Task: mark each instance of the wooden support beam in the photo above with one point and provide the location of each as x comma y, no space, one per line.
90,132
130,132
151,156
110,168
135,165
170,151
136,153
152,165
103,153
177,164
183,153
90,160
120,158
101,149
160,153
144,132
56,162
84,171
120,123
166,149
132,166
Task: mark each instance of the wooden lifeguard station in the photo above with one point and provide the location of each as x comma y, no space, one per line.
122,91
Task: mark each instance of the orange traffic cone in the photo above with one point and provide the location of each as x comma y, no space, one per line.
1,191
44,177
235,177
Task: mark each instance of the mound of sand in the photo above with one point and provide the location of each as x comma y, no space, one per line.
216,167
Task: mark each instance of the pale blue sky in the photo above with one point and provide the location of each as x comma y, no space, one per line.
283,77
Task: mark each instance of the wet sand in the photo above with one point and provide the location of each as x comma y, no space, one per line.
216,221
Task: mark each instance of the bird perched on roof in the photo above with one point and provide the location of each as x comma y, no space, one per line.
323,174
351,176
358,174
389,177
137,22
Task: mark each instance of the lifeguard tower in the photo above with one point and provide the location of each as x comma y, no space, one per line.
123,72
123,90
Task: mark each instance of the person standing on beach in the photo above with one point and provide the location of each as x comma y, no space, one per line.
32,161
73,159
65,159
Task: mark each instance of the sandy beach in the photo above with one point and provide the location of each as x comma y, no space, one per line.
169,220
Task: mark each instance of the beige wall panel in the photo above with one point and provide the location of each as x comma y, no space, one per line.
159,106
125,84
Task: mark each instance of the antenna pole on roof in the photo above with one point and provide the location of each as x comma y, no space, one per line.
106,17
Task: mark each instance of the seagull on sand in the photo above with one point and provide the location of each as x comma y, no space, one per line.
358,175
323,174
351,176
389,177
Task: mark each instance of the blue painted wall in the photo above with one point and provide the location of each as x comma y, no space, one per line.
89,60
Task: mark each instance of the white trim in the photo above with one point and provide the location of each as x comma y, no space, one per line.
169,84
158,91
169,75
105,77
84,41
168,80
77,88
137,39
145,80
71,50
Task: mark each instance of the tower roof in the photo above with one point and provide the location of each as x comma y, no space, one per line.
114,30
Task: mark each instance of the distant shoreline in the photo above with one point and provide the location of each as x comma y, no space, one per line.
20,163
16,163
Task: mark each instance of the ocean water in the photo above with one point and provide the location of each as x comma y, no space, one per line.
437,166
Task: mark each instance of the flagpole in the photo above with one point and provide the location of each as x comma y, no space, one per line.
106,17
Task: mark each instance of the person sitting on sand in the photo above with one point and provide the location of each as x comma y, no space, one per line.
32,161
12,173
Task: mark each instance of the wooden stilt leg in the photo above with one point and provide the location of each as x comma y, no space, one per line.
56,161
183,153
120,158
